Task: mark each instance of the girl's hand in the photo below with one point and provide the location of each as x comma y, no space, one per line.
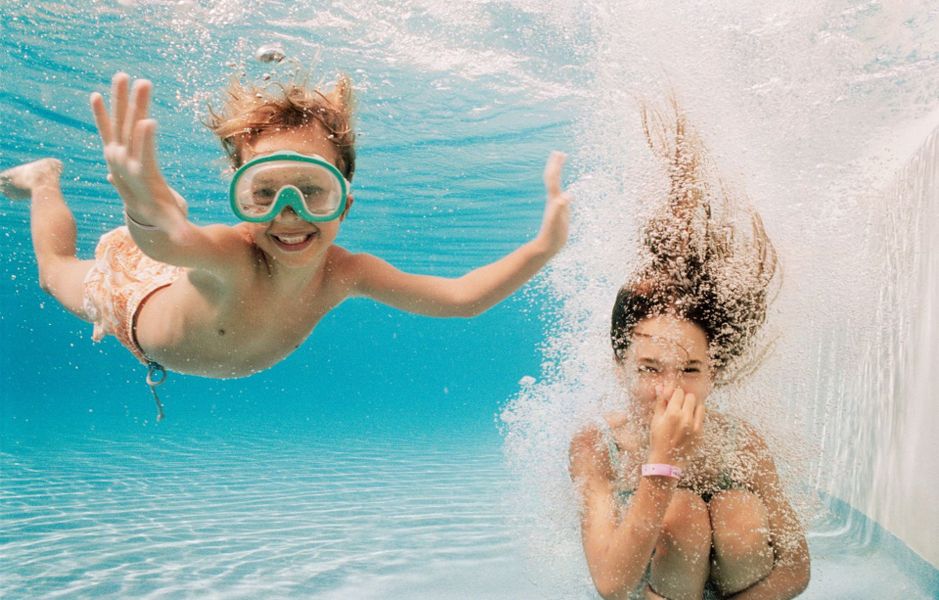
130,151
554,226
676,426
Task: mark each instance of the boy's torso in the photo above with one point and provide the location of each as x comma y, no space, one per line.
203,326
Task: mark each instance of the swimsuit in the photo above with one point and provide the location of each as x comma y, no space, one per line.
728,477
626,482
118,283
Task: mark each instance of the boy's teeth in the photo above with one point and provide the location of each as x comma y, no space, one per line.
292,239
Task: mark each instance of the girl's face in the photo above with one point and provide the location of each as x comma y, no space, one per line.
665,352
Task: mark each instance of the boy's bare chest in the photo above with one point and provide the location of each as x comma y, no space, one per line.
230,335
276,318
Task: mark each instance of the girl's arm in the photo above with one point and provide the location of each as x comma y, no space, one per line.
156,216
481,288
790,574
618,550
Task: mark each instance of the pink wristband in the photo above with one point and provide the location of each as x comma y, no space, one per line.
661,470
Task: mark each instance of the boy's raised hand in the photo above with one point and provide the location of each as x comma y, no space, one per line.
130,151
554,226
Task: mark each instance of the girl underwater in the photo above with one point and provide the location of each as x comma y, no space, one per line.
679,501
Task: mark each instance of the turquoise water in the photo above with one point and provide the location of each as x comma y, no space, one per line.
370,463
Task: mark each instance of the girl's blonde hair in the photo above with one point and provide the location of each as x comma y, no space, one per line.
699,264
249,111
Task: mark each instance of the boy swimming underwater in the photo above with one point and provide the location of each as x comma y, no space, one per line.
228,301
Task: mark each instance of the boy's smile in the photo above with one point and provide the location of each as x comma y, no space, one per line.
293,242
292,234
288,237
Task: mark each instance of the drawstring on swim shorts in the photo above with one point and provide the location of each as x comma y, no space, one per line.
156,375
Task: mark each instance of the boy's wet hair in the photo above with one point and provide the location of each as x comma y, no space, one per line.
250,111
699,264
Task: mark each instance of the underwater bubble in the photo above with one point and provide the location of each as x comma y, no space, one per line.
270,53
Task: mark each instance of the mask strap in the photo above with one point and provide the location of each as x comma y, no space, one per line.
156,375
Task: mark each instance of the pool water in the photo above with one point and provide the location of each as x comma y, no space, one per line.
372,462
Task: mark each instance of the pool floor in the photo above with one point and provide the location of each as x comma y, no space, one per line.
154,517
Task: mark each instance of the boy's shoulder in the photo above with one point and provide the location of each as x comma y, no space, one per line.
352,264
345,265
235,234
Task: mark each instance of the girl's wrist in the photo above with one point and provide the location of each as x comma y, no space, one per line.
661,456
661,470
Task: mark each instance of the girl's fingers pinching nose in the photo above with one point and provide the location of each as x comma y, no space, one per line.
687,408
699,414
676,399
661,400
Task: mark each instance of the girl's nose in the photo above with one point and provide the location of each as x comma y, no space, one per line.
671,378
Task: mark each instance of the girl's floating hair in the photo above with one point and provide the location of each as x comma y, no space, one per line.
699,263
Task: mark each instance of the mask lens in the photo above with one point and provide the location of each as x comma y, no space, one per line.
258,190
320,190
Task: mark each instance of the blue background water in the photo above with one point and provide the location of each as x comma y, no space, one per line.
439,193
369,462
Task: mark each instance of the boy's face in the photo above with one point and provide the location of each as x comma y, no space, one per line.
288,238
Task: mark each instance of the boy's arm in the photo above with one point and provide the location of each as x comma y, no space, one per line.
156,216
481,288
790,574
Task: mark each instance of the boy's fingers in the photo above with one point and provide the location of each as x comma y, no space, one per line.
119,103
136,148
102,122
115,155
552,173
564,198
139,105
147,144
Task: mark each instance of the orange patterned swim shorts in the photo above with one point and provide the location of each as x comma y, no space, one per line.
118,283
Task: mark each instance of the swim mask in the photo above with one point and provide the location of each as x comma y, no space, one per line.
309,184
